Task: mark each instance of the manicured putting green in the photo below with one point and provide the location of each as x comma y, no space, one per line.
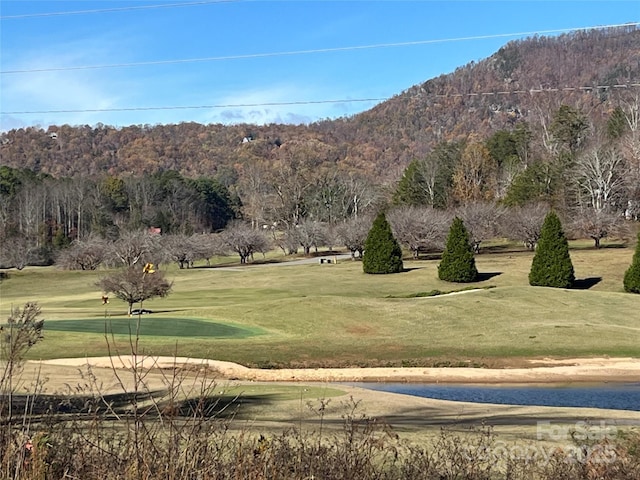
151,326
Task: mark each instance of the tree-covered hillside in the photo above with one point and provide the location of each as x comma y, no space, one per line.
479,98
543,122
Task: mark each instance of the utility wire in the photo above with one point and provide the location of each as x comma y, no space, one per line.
316,102
312,51
199,107
117,9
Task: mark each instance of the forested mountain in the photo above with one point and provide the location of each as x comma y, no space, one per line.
479,98
526,80
553,120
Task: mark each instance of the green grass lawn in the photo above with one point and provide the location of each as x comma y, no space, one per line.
334,315
148,325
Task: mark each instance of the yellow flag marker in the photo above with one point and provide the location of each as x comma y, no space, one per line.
148,268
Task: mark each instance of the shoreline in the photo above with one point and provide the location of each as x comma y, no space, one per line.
545,371
410,415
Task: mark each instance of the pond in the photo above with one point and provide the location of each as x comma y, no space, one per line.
616,396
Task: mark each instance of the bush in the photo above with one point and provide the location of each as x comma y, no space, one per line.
632,275
382,253
458,263
551,266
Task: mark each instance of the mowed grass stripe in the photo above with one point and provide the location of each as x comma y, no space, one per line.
151,326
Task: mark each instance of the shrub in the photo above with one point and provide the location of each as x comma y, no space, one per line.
382,253
458,263
632,275
551,266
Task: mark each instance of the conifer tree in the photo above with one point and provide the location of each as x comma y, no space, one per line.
458,263
632,275
411,189
382,253
551,266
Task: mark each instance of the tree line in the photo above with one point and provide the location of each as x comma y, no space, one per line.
41,215
301,199
591,174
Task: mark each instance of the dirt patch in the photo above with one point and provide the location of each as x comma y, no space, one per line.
360,330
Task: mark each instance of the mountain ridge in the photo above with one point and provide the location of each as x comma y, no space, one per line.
524,81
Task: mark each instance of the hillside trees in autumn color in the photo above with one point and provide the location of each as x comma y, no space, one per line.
534,76
537,123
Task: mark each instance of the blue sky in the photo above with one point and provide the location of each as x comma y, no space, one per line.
447,34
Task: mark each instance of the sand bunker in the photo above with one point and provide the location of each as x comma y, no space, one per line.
545,371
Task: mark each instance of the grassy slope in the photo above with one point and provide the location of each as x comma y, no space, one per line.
335,315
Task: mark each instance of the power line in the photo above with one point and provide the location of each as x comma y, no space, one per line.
199,107
317,102
312,51
118,9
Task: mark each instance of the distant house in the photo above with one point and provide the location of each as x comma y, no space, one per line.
53,135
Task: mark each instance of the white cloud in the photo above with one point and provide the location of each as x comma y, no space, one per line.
46,91
259,106
128,88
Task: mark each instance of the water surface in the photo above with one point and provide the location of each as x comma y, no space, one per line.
625,396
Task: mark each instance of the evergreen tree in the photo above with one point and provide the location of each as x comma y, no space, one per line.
569,128
458,263
382,253
411,189
632,275
617,124
552,265
540,182
503,148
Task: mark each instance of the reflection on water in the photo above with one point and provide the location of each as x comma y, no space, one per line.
614,396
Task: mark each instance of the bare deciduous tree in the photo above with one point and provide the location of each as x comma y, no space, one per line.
180,249
16,252
630,147
524,223
353,233
599,224
293,176
360,195
307,234
419,228
482,220
429,169
30,214
327,198
133,248
208,245
244,240
87,254
134,285
255,191
285,241
600,177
